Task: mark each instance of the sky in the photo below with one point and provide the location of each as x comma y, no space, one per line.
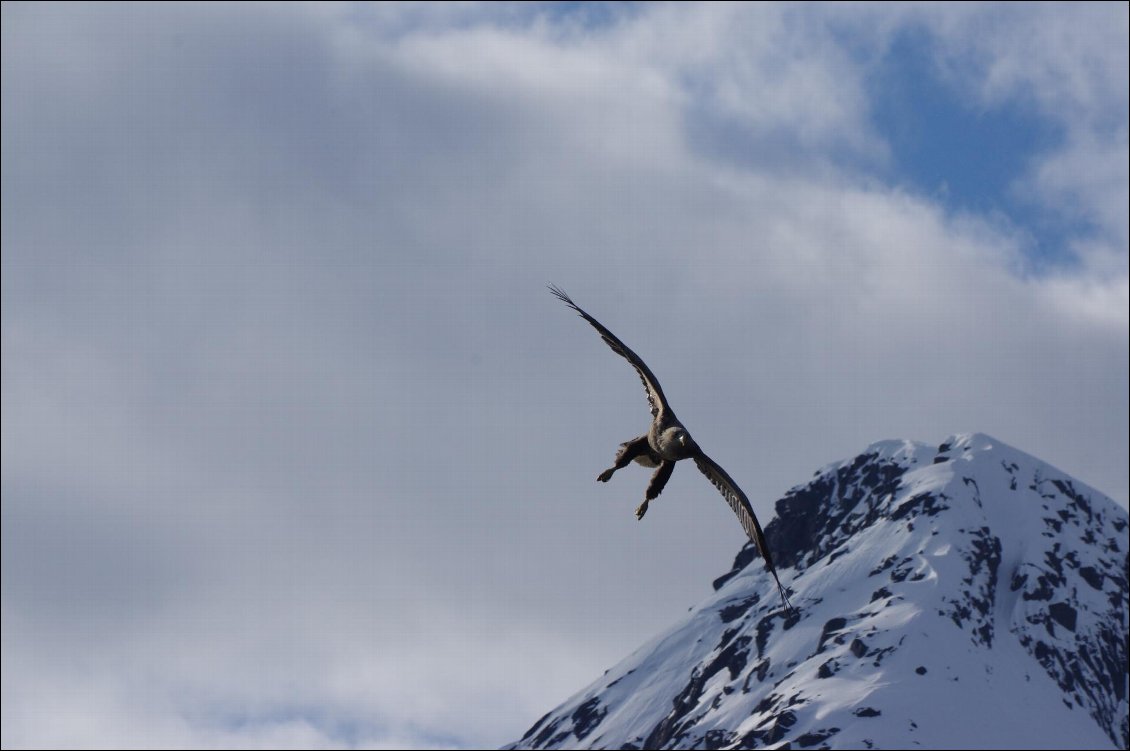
298,450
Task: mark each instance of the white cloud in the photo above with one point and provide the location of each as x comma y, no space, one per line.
1089,179
763,84
1070,60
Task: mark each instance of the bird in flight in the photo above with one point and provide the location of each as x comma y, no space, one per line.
667,442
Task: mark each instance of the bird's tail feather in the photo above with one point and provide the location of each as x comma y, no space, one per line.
789,609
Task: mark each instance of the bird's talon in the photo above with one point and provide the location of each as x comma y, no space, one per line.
641,510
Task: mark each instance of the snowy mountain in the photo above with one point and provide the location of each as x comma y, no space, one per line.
959,596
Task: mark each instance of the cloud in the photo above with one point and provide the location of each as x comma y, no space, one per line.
296,448
766,74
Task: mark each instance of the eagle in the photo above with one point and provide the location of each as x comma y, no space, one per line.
668,442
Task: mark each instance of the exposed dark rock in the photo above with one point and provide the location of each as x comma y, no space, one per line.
831,629
587,717
1063,614
815,738
881,593
738,609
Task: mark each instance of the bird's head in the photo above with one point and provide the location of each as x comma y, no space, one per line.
682,439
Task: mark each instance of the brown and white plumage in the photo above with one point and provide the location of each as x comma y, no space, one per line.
668,442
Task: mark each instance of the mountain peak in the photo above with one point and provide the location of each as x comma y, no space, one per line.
964,580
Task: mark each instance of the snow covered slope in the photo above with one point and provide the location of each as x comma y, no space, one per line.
963,596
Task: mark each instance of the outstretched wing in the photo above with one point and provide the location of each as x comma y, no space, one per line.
654,393
740,504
